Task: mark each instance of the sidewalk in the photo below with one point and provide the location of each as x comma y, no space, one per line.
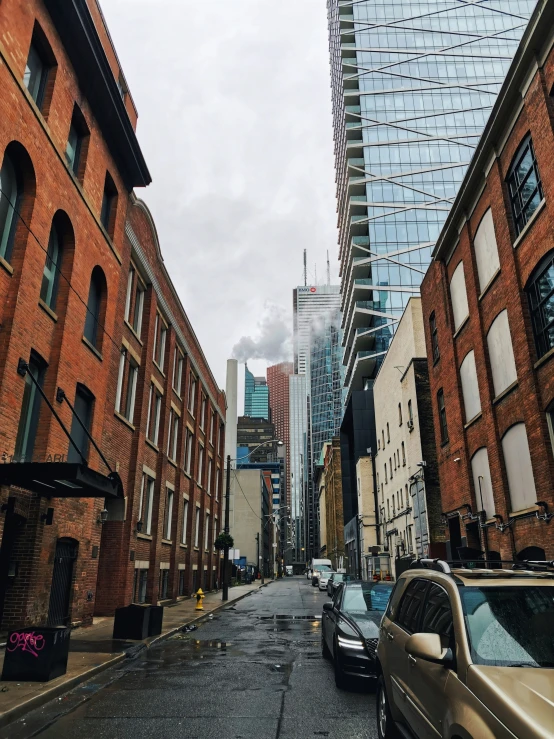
93,650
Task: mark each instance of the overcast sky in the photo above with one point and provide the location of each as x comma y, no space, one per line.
234,106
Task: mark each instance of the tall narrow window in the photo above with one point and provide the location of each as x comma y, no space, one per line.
470,386
200,475
94,307
486,251
212,423
178,363
410,415
185,521
154,411
540,291
39,70
81,424
77,144
188,451
173,434
209,483
434,337
519,469
49,286
160,336
218,483
192,395
109,205
442,416
207,532
30,411
10,203
146,503
501,352
388,434
134,303
400,414
126,386
168,513
203,413
458,296
403,455
524,185
197,528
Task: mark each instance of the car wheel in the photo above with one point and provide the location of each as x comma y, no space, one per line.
325,653
340,677
386,728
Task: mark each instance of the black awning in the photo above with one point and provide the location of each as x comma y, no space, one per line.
61,480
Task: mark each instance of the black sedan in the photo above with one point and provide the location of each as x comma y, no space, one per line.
350,628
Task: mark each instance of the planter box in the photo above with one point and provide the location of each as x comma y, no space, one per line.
36,654
138,622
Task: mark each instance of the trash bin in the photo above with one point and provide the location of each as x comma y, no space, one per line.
37,653
137,622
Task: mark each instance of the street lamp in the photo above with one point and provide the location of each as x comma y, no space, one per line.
225,589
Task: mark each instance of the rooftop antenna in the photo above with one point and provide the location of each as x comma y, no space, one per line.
315,269
305,269
328,269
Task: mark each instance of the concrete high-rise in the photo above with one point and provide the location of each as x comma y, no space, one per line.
298,420
256,396
311,305
412,90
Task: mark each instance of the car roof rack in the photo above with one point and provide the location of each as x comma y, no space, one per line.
431,564
486,567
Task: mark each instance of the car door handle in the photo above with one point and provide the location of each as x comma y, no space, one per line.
390,636
412,660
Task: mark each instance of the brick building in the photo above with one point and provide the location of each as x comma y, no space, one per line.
333,516
278,383
487,306
86,302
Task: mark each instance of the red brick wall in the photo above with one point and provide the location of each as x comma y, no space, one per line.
528,400
278,383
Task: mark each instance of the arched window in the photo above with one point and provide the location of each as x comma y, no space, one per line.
10,202
540,291
519,469
83,405
470,386
442,416
524,185
482,482
50,276
458,295
95,306
501,353
486,251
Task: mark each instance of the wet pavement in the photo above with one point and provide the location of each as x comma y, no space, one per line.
253,671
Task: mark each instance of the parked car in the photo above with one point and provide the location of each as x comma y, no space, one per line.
350,628
468,653
324,576
316,572
335,580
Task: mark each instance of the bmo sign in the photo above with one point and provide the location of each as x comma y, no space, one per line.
303,290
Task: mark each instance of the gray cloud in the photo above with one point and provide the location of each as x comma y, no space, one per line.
235,122
274,340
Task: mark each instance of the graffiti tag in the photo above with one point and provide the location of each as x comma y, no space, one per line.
27,641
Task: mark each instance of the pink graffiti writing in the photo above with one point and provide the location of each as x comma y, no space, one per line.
27,641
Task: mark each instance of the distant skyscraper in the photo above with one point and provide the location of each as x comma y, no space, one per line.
256,396
311,305
413,85
298,420
278,383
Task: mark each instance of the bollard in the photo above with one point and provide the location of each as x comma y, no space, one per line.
199,598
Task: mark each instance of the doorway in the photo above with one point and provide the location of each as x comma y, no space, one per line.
62,582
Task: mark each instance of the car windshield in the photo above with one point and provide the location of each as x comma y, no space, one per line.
366,597
322,568
338,577
510,626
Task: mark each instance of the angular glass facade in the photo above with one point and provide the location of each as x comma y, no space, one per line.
256,396
413,85
298,425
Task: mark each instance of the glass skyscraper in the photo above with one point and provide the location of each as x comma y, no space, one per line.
256,396
413,84
298,434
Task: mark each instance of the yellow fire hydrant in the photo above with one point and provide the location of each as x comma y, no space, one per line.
199,598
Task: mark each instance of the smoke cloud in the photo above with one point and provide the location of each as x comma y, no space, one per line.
274,338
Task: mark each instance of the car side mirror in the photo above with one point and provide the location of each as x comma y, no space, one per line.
328,606
429,648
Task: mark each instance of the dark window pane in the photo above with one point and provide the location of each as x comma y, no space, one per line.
437,615
35,74
30,411
10,196
83,405
93,310
524,185
49,285
410,605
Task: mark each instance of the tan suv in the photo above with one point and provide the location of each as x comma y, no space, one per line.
468,653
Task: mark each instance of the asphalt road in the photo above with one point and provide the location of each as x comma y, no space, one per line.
254,671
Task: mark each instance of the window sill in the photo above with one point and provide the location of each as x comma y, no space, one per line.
152,445
169,542
177,394
92,348
489,284
132,330
196,549
6,265
445,443
460,328
505,392
187,474
172,462
183,546
160,370
49,312
124,420
544,358
473,420
529,224
523,512
436,361
146,537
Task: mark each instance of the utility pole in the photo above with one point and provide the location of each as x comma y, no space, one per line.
225,595
258,552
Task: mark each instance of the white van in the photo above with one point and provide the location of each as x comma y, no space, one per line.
316,566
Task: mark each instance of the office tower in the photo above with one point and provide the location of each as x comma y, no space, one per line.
278,384
413,85
311,305
251,434
298,420
256,396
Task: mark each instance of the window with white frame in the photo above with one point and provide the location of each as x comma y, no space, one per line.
200,471
191,404
501,353
207,532
126,385
209,483
160,336
212,423
458,295
178,364
197,528
185,521
188,451
168,513
486,251
470,386
215,531
519,470
172,434
217,483
154,411
146,503
134,302
203,413
482,482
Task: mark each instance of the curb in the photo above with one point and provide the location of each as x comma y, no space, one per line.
12,714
